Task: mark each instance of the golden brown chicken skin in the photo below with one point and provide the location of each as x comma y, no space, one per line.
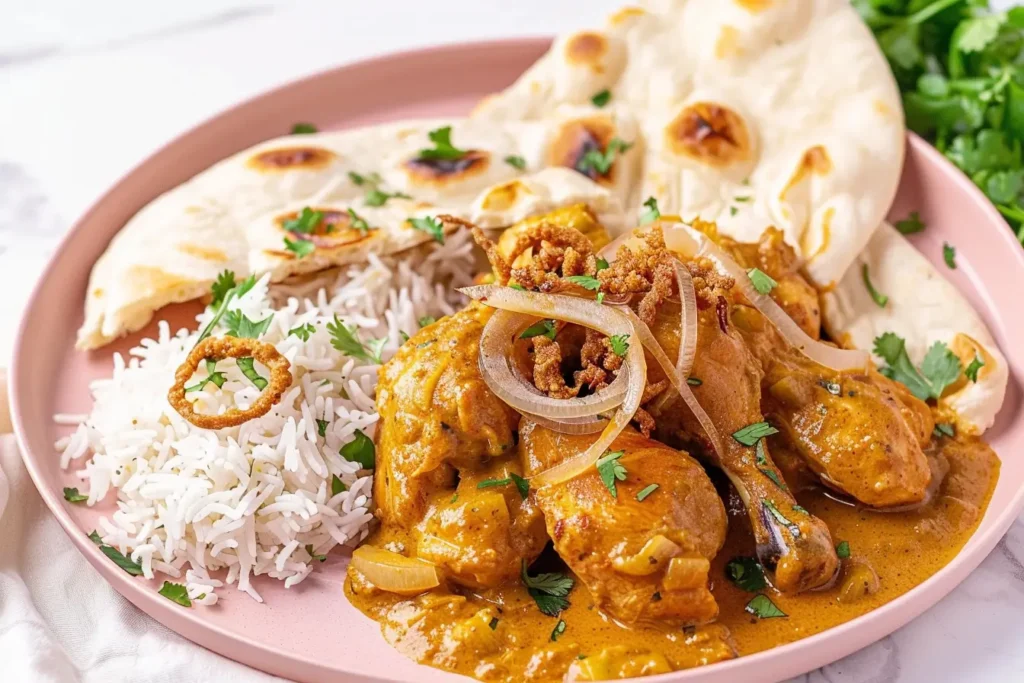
642,560
860,433
436,414
793,545
441,433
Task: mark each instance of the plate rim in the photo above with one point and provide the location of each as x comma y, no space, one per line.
795,658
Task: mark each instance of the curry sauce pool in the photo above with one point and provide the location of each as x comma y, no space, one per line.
501,635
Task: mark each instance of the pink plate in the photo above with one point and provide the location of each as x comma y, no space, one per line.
310,632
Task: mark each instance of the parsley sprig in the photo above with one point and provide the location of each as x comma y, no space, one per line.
443,149
939,369
344,339
960,68
596,161
549,591
611,470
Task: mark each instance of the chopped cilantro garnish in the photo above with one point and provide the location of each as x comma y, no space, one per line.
762,607
358,222
303,332
344,339
224,283
746,573
939,369
762,282
601,162
543,328
337,485
910,224
490,483
373,179
971,371
752,433
949,255
516,161
175,592
303,129
558,630
301,248
549,591
72,495
361,450
619,344
585,281
429,225
443,148
646,491
238,325
377,197
943,429
611,470
652,213
602,98
843,550
313,555
602,263
218,378
246,365
125,563
321,427
522,485
880,299
694,381
305,223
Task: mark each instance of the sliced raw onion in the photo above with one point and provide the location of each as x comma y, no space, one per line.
511,387
589,314
395,573
687,322
569,425
694,244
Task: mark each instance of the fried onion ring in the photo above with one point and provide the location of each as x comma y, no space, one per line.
219,348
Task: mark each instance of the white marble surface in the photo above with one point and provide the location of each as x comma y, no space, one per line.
88,89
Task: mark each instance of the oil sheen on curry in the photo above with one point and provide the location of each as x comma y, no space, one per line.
632,458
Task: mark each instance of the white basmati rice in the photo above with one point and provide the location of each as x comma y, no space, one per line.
255,499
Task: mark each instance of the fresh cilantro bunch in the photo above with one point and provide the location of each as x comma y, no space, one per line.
960,68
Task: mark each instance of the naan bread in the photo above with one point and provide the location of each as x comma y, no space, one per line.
752,113
923,308
233,215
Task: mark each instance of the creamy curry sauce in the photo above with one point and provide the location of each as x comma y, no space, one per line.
501,635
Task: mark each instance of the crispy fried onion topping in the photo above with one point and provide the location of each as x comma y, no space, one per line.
218,348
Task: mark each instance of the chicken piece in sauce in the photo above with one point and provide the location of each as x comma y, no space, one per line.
860,433
643,560
440,423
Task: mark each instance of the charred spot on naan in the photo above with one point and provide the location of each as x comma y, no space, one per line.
444,172
588,49
504,196
204,253
626,14
711,133
334,230
815,161
576,138
290,158
754,6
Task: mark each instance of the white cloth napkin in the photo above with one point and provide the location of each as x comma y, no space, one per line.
60,622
